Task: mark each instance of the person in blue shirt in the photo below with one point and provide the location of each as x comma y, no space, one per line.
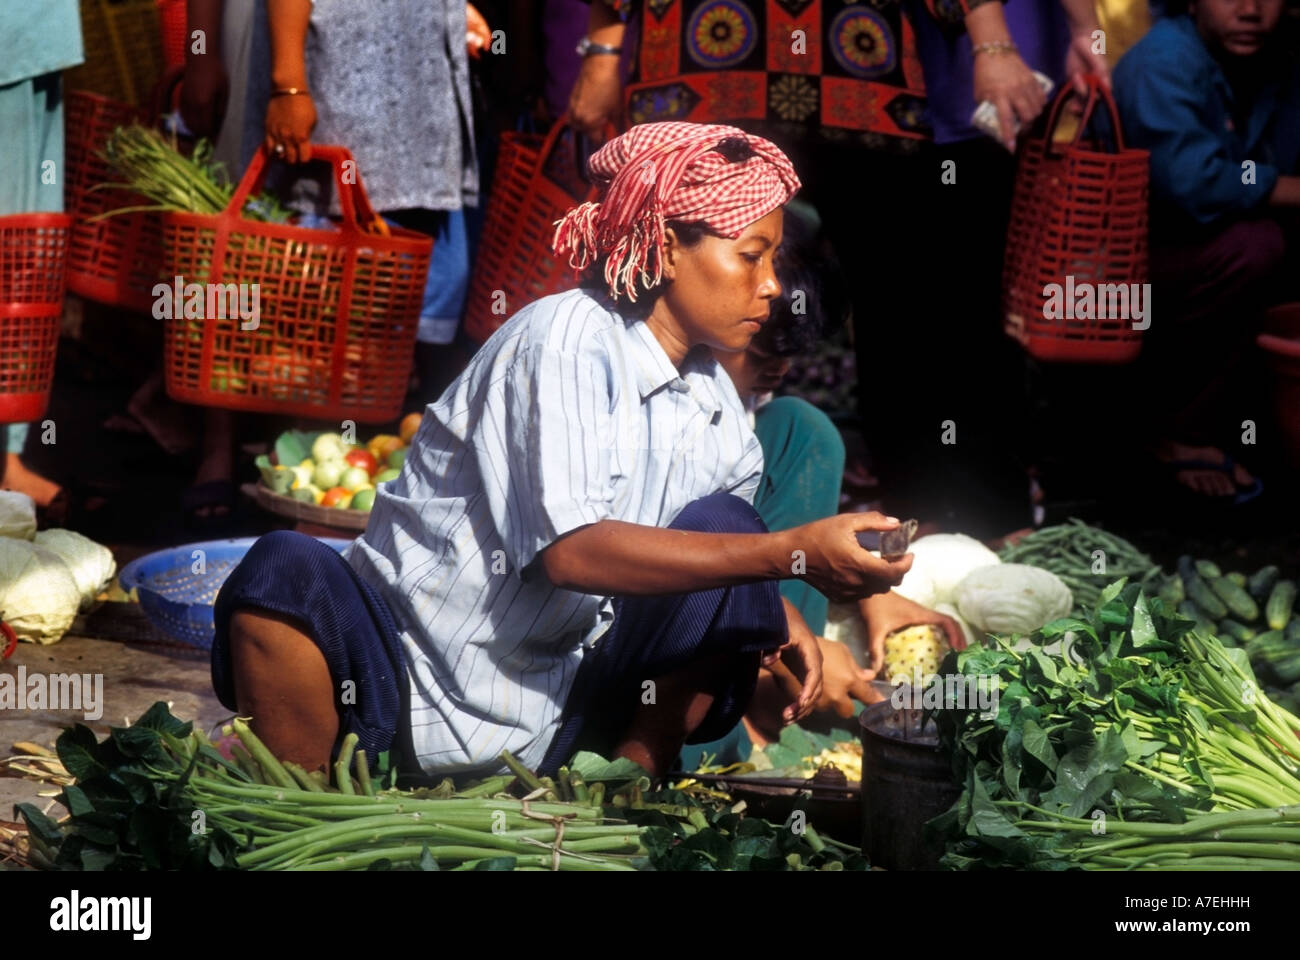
1214,95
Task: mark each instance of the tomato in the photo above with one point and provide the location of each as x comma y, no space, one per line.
336,497
364,459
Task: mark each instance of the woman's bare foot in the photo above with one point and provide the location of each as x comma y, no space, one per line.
1208,481
18,478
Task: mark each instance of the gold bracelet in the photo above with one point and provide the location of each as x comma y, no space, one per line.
997,46
291,92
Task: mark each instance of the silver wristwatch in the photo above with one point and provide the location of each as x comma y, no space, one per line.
586,48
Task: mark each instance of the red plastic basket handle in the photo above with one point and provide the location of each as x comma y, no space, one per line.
552,138
353,198
1096,90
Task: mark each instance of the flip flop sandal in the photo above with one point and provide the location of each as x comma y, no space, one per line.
1227,467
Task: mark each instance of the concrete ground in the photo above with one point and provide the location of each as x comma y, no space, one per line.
135,676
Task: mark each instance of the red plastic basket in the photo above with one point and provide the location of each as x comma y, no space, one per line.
339,311
116,260
514,265
175,36
33,260
1077,212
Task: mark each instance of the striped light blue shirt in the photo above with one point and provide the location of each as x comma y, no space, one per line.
568,415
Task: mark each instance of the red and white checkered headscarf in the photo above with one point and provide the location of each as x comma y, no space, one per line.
668,171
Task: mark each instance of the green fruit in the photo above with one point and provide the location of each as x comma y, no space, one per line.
397,458
354,478
328,473
280,480
306,494
363,499
384,476
328,446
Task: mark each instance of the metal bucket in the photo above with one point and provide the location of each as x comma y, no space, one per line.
906,780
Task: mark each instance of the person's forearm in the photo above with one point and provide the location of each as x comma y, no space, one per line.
604,26
203,15
288,20
794,619
1286,192
615,558
1082,15
987,24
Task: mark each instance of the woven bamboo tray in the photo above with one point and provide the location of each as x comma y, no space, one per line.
351,520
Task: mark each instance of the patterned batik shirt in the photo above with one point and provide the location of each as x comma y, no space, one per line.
789,69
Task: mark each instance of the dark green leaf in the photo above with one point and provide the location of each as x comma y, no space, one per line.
1037,745
77,749
75,799
39,825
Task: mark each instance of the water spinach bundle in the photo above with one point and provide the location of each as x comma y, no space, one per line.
1140,743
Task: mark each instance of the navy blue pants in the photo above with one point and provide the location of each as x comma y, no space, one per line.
301,578
659,635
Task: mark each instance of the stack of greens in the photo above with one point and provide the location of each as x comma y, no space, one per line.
1143,744
154,168
1087,558
158,795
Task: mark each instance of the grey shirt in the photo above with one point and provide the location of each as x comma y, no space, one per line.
390,81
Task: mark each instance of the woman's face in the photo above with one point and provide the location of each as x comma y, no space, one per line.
722,290
754,370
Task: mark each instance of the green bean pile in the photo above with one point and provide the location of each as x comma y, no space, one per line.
1070,550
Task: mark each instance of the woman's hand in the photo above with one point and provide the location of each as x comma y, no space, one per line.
479,35
892,611
836,564
798,666
290,120
1081,60
1004,80
597,98
844,680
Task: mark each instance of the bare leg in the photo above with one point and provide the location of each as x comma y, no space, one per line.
658,730
16,476
283,683
217,455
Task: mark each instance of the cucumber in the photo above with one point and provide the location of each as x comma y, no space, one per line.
1185,567
1288,669
1205,598
1268,644
1280,602
1261,582
1208,569
1237,599
1292,632
1172,592
1236,630
1237,577
1200,622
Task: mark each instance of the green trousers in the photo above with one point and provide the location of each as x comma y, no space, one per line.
803,461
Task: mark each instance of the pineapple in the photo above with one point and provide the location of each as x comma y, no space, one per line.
914,651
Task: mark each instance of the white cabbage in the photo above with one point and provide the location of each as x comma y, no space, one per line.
92,564
38,595
941,561
17,515
1012,598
